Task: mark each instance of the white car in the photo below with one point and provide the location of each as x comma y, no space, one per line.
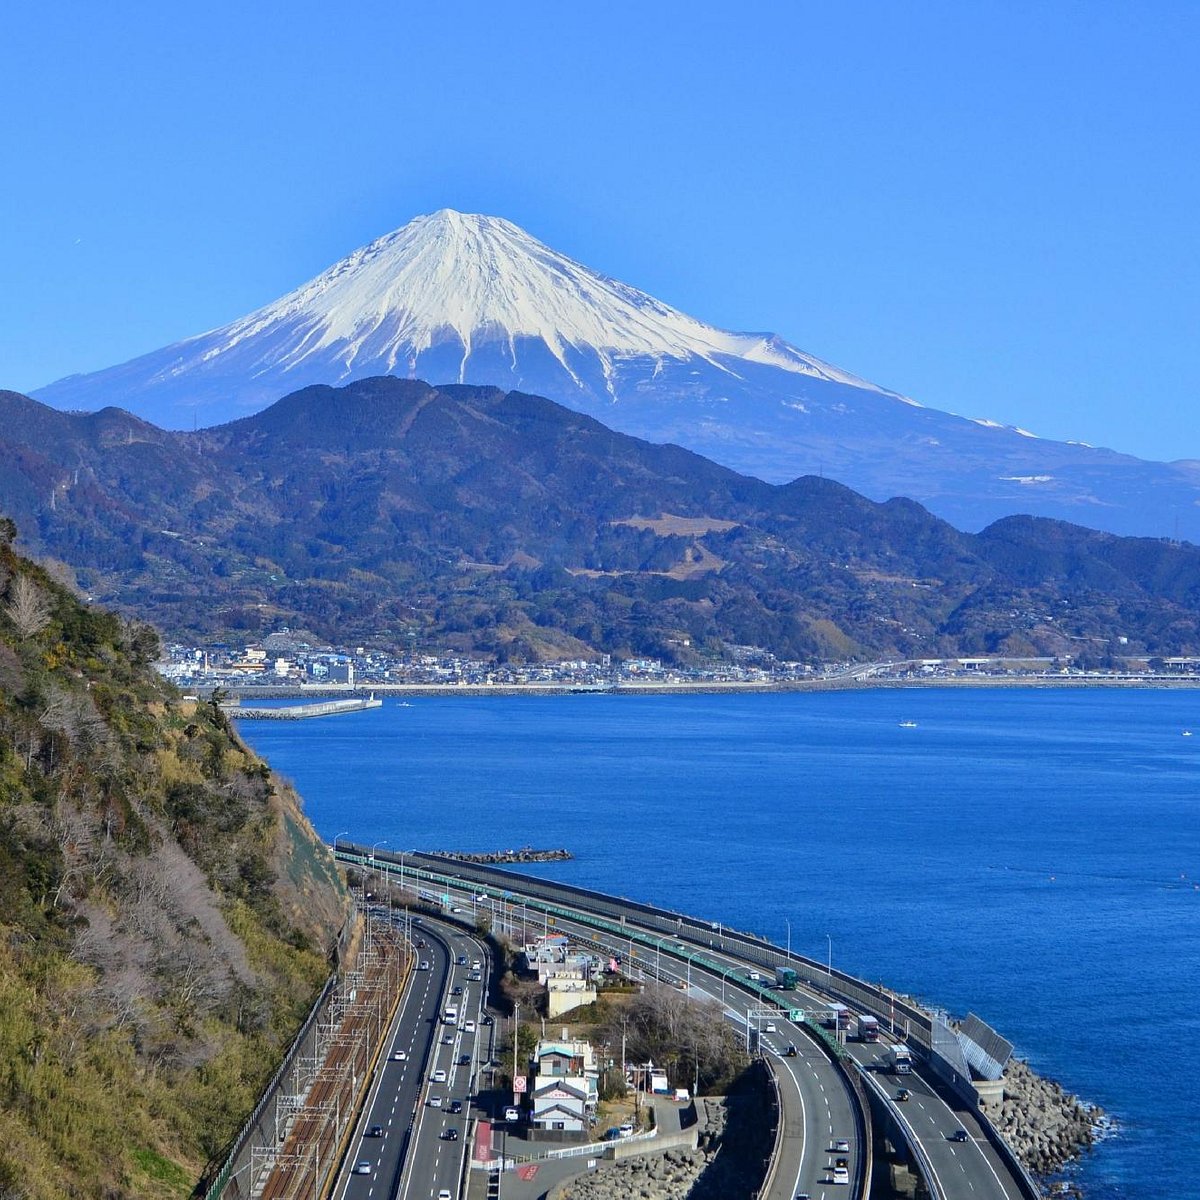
770,1026
399,1056
439,1076
435,1102
444,1194
841,1175
362,1167
841,1146
469,1027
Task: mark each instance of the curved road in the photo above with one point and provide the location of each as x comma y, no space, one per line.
971,1168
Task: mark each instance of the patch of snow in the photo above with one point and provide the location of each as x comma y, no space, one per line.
1027,478
1023,432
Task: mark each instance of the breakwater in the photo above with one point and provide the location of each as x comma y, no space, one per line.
299,712
527,854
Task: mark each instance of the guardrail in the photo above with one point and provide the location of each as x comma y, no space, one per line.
773,1169
924,1166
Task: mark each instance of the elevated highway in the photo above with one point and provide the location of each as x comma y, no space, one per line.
821,1088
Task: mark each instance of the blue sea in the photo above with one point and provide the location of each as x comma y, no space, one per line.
1032,856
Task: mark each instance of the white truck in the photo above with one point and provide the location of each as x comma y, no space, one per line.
899,1059
868,1028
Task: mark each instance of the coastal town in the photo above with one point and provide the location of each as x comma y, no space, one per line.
281,664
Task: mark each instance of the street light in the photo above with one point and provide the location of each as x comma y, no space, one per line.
789,940
339,838
381,842
829,960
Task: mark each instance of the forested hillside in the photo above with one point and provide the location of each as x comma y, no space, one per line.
399,514
166,912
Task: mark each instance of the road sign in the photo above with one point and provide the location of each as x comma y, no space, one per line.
519,1083
795,1014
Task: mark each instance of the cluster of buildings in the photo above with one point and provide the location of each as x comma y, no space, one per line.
568,976
281,664
564,1086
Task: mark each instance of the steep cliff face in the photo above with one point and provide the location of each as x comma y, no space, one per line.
166,912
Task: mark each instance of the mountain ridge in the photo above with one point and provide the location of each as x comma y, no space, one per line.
504,523
476,300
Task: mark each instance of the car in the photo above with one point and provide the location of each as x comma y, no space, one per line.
771,1027
424,965
512,1113
375,1131
903,1094
399,1056
444,1194
362,1167
959,1135
464,1060
475,977
841,1146
487,1019
753,976
626,1128
447,1039
469,1027
449,1135
456,990
791,1051
802,1196
435,1102
476,964
439,1076
455,1106
456,909
840,1175
611,1135
461,960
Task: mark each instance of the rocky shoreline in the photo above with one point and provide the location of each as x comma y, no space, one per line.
527,854
715,1170
1046,1125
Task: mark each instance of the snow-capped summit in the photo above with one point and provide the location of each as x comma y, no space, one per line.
454,297
464,286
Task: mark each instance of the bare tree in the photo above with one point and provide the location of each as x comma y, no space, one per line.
28,607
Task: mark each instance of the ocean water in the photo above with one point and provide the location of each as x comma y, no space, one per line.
1032,856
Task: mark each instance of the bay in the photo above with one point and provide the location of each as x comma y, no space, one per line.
1032,856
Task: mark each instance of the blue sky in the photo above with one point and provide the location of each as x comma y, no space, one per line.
990,207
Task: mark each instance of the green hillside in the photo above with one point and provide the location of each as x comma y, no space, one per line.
166,912
392,513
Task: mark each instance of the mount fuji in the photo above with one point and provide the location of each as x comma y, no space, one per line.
458,298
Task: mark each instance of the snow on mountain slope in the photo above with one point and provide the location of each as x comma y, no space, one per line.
482,279
453,297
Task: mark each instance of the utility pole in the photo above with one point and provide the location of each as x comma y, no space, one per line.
516,1039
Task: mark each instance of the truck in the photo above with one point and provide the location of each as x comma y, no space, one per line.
839,1017
899,1059
786,978
868,1028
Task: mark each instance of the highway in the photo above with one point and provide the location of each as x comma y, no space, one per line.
717,963
403,1135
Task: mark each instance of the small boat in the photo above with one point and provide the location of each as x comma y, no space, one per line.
908,724
1187,733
